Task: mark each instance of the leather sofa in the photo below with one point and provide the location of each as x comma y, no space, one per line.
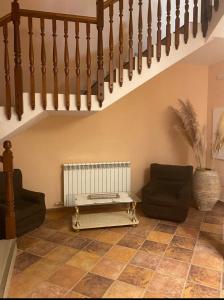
169,192
30,206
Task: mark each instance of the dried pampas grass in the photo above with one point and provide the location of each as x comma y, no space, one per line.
187,124
219,136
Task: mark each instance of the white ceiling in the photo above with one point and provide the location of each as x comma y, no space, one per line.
211,53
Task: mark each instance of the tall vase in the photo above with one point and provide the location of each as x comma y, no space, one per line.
206,188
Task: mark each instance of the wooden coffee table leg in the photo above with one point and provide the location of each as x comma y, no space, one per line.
133,211
76,216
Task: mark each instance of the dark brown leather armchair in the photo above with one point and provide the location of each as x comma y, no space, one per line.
29,206
168,194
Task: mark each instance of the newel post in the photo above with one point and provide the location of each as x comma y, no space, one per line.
17,60
10,223
100,70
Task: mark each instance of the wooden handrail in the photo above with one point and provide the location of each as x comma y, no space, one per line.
10,220
109,2
57,16
6,19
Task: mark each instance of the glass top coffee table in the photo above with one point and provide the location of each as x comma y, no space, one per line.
123,217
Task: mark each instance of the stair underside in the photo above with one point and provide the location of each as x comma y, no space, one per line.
12,126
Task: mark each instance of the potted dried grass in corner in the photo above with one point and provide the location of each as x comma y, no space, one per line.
206,183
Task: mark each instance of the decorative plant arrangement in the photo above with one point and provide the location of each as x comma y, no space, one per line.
206,183
187,124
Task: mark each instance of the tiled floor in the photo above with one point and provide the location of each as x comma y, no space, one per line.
156,259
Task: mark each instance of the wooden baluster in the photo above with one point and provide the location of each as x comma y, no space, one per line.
10,220
77,60
140,27
43,65
186,22
100,71
130,69
177,25
204,17
88,63
149,38
66,60
195,18
121,44
31,57
18,73
159,34
216,5
111,49
55,63
210,8
8,98
168,29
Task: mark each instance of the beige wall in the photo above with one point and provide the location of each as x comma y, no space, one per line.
215,99
136,128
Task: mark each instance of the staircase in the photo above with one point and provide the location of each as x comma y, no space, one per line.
166,44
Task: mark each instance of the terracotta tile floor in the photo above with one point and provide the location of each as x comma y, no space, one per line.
156,259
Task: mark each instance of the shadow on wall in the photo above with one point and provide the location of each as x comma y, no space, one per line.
175,145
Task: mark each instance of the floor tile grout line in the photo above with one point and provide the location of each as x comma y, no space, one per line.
192,253
184,287
85,272
138,249
89,271
196,265
144,290
101,258
162,256
65,264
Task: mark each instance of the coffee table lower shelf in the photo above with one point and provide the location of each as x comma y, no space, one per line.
100,220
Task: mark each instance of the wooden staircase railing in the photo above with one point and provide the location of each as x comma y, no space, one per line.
125,60
7,160
76,20
8,98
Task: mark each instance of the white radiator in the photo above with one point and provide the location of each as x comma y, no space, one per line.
92,178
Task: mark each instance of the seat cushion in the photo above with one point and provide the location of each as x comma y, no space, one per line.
161,199
176,214
25,209
167,187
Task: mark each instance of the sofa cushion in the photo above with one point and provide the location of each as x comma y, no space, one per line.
25,209
162,199
171,172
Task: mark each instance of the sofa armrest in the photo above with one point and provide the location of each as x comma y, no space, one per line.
33,196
